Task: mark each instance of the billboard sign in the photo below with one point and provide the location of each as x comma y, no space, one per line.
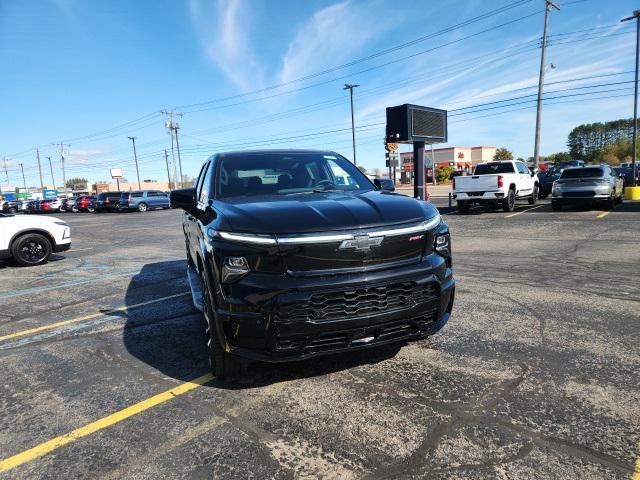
7,187
47,194
116,173
24,195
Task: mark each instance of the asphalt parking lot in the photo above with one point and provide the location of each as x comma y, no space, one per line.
535,376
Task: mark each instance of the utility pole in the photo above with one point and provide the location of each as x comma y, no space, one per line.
62,152
24,182
536,148
636,15
135,156
53,180
173,130
350,87
166,160
39,169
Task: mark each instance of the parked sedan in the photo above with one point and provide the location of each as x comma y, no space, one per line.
593,184
10,206
67,204
51,205
107,202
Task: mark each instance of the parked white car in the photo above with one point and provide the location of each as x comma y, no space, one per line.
496,184
30,240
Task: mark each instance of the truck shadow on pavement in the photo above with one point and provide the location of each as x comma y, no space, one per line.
169,335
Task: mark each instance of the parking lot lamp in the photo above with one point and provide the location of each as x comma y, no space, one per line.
636,16
135,156
350,87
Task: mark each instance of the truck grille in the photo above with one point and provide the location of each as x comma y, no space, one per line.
371,300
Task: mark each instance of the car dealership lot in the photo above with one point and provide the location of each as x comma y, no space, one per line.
536,374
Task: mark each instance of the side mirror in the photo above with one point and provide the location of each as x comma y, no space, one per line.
384,184
183,198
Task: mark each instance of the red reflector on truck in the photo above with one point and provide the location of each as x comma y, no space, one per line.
500,181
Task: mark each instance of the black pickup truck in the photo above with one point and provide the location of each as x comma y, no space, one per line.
296,253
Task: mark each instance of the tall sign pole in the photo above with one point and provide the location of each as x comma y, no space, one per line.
24,182
53,180
536,148
39,169
636,16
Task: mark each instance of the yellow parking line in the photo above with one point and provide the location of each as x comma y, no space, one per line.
524,211
88,429
603,214
50,326
636,472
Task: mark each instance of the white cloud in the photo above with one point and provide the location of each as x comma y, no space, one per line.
82,156
223,28
330,36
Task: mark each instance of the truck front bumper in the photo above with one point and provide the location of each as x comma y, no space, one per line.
276,318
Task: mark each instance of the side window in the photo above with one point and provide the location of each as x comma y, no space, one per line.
205,186
203,173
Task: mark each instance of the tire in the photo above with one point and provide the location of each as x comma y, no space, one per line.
91,209
223,365
13,210
534,196
31,249
74,209
143,207
509,203
555,206
463,207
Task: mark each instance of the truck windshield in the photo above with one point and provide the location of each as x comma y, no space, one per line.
582,173
493,168
285,173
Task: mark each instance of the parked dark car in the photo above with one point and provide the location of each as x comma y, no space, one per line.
143,200
107,202
11,206
84,203
287,262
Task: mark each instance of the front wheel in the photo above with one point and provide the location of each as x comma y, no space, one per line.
509,203
534,196
224,365
31,249
91,209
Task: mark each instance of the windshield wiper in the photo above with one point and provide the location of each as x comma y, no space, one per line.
322,190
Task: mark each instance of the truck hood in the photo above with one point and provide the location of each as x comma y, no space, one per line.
314,212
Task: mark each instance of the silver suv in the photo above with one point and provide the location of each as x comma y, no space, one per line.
592,184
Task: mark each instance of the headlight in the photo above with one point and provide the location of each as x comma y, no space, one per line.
243,237
443,244
234,268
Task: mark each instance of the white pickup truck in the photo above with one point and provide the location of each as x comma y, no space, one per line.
496,184
31,239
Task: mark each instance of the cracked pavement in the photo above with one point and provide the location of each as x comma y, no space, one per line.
535,376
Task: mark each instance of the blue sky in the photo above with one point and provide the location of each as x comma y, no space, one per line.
91,73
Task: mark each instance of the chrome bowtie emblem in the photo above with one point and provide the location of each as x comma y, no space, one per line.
362,242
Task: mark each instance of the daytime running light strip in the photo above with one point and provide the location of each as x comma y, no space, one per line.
257,240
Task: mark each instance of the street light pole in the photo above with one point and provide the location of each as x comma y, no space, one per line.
636,15
24,182
350,87
135,156
536,148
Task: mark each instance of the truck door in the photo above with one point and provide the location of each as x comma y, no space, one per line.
525,183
